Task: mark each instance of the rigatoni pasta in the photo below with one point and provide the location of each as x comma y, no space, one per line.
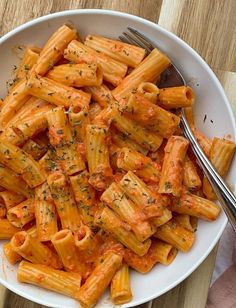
45,213
120,286
64,200
22,213
55,92
30,57
53,49
148,70
77,75
61,139
55,280
221,155
172,168
98,156
131,55
113,71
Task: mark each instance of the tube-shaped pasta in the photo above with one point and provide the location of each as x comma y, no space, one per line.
13,102
84,240
195,206
98,156
105,117
191,178
115,198
141,264
141,165
221,155
122,140
33,232
159,251
176,235
94,110
7,230
102,275
101,94
176,97
77,75
56,93
12,256
22,163
110,222
54,48
151,116
141,195
49,162
146,139
13,182
204,142
149,90
131,55
120,286
113,71
27,128
172,168
34,251
148,70
64,243
45,213
84,196
49,278
162,252
22,213
10,198
64,200
60,137
188,222
82,190
30,107
159,221
30,57
189,115
78,121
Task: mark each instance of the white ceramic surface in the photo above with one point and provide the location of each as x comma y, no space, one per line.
211,100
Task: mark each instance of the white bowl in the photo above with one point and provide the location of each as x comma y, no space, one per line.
211,100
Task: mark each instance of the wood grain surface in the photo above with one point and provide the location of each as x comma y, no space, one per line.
209,26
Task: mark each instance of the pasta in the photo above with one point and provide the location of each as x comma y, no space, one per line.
60,137
51,279
22,163
120,286
53,49
55,92
96,177
45,213
154,118
77,75
64,200
122,52
34,251
22,213
113,71
221,155
172,168
30,58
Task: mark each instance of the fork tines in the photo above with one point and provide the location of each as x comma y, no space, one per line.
133,36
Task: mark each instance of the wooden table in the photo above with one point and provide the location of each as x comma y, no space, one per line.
209,27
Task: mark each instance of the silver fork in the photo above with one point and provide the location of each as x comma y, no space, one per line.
172,77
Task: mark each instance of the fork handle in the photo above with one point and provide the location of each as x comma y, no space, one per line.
224,194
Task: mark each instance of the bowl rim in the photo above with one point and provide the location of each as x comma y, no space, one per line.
183,44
